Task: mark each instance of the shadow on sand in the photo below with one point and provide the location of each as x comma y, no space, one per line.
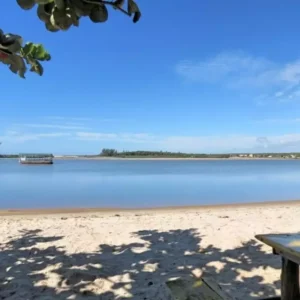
31,269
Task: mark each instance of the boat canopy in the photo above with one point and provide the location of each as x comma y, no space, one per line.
36,155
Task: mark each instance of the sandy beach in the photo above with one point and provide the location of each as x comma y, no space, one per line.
126,254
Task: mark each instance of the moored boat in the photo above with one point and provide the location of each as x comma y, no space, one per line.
36,159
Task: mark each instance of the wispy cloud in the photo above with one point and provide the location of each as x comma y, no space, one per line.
81,119
61,118
116,137
226,68
239,70
278,121
241,142
233,143
66,126
18,137
60,123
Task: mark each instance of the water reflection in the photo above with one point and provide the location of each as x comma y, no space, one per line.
146,183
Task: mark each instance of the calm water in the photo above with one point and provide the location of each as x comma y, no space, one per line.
146,183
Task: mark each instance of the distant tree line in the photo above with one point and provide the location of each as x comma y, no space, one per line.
109,152
166,154
163,154
9,156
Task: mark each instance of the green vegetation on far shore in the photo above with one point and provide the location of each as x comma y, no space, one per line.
164,154
9,156
157,154
112,153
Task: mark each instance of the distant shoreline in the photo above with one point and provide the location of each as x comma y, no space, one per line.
166,157
169,158
102,158
114,210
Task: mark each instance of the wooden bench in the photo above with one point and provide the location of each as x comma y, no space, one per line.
204,288
288,247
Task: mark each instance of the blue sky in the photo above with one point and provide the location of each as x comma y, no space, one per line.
212,76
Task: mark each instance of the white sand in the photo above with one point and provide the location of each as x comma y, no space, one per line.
108,256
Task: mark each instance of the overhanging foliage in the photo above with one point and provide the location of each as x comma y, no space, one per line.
56,15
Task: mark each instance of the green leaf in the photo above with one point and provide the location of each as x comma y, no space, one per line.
4,56
37,68
40,53
134,9
50,27
60,4
99,14
17,65
43,1
26,4
36,51
11,42
118,3
27,49
16,57
33,53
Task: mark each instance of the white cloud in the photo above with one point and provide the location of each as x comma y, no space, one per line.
116,137
233,143
96,136
224,67
279,94
279,121
66,126
18,137
238,70
80,119
61,118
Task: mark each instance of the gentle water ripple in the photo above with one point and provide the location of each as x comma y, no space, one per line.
80,183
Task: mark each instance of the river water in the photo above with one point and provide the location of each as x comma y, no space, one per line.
137,183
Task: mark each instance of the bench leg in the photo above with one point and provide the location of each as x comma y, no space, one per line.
289,280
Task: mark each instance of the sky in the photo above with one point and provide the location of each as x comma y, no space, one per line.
206,76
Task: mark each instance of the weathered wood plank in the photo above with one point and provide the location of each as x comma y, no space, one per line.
196,289
216,287
287,245
289,280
